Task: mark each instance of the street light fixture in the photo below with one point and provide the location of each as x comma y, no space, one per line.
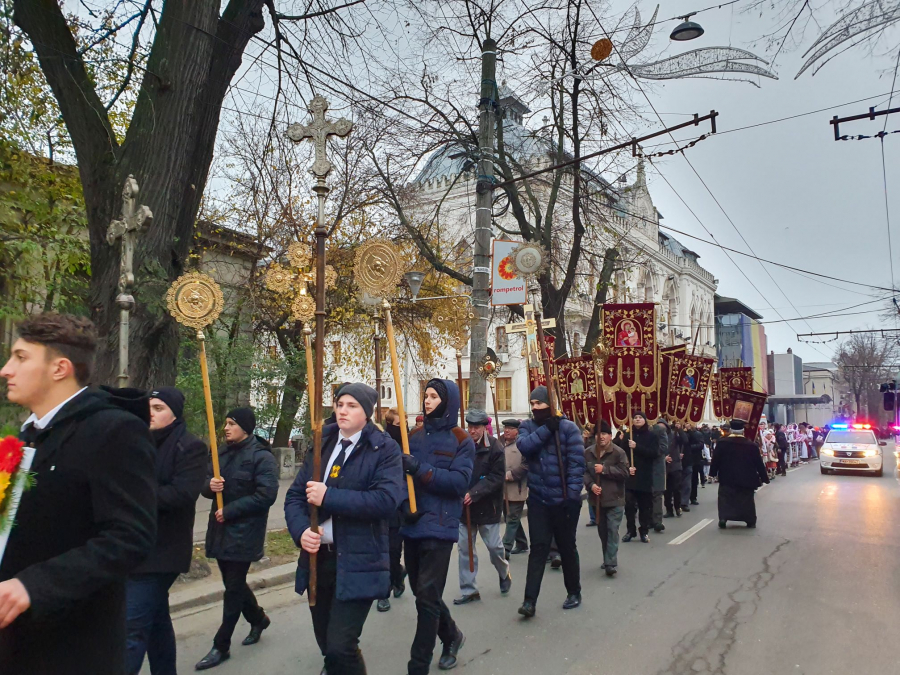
687,29
414,279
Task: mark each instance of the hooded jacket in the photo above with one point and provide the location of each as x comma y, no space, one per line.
368,491
251,487
181,461
545,476
446,454
85,524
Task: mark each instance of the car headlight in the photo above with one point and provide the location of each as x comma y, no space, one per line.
871,452
826,451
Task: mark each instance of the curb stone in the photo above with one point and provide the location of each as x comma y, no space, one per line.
210,593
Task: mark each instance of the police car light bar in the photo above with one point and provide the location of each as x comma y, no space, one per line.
839,426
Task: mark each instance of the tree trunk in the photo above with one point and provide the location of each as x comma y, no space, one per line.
594,327
293,347
168,149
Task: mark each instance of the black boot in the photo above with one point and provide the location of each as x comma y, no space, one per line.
572,601
213,659
256,631
527,609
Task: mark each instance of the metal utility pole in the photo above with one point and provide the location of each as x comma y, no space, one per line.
481,272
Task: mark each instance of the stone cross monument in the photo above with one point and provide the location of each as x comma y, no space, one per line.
125,229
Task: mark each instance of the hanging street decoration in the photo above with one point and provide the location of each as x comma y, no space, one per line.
871,17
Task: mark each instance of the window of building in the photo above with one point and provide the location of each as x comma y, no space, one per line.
272,396
504,394
576,346
336,351
502,340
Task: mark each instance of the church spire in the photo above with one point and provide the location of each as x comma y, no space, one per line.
641,181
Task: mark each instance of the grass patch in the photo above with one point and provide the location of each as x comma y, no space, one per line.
279,542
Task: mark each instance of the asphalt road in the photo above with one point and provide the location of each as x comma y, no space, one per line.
812,591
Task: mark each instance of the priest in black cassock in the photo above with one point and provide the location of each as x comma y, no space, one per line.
740,469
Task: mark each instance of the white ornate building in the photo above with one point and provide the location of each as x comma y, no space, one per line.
664,272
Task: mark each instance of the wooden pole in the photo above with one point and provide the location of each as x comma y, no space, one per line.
310,374
210,421
378,378
321,235
497,420
551,391
398,393
462,393
630,430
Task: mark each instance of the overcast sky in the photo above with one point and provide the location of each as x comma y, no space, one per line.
798,197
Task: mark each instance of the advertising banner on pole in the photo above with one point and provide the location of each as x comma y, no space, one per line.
506,287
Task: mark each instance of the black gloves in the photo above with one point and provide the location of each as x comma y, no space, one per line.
409,518
410,464
553,423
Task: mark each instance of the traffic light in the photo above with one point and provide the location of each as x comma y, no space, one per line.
888,394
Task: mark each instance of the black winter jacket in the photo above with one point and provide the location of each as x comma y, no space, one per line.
645,452
488,477
87,522
181,461
737,462
695,447
251,487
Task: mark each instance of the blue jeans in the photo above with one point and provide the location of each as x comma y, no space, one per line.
150,629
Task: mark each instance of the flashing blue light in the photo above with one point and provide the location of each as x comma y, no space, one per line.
840,426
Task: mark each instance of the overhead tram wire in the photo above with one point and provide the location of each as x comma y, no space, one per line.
690,164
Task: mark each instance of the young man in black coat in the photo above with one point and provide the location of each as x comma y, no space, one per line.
484,504
90,516
644,447
237,532
362,489
180,473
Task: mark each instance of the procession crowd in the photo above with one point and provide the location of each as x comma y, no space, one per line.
107,526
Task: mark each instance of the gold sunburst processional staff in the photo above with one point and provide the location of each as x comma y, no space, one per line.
377,270
196,301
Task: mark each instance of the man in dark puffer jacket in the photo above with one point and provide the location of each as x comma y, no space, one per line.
554,496
237,532
440,462
362,489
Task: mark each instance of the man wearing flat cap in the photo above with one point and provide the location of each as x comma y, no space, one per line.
484,500
516,490
237,532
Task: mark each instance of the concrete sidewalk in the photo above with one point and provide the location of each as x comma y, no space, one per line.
207,592
276,513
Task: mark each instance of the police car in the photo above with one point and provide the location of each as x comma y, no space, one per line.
852,447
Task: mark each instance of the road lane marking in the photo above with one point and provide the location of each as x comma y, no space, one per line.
680,539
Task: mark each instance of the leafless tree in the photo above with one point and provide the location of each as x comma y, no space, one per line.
864,362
